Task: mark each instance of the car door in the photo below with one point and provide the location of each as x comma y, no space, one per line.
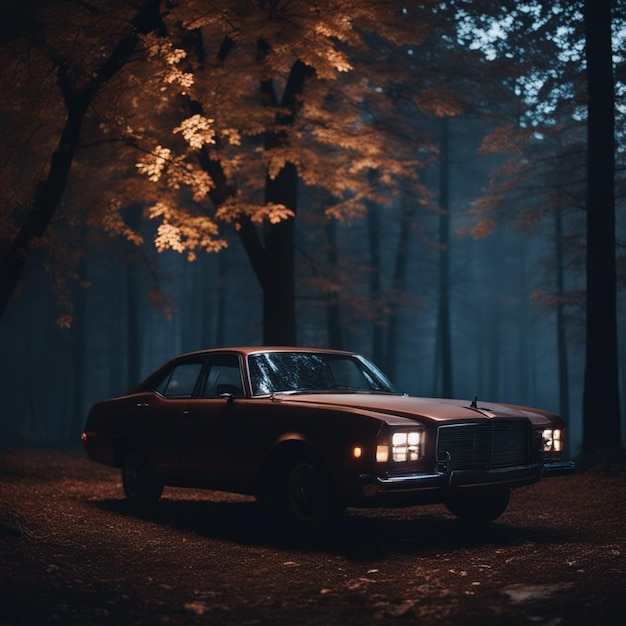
209,423
165,412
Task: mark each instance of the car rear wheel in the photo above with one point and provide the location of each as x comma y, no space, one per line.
141,484
481,505
310,500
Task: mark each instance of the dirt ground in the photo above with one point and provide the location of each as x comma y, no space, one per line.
72,552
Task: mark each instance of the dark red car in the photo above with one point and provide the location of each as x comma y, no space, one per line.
315,431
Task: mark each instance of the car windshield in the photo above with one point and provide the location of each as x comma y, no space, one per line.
274,372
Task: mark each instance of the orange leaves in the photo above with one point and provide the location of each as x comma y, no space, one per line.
347,210
338,61
161,302
506,138
65,320
438,101
180,172
277,158
183,232
160,49
235,209
197,131
112,222
168,237
152,165
483,228
275,85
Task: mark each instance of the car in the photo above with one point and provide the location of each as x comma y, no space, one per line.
313,431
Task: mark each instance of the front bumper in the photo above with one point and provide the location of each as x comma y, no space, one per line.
512,476
562,468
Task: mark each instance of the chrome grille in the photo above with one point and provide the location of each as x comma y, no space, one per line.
487,445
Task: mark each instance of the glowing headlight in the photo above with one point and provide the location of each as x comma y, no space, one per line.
552,440
405,446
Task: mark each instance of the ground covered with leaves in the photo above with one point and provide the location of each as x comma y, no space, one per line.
72,552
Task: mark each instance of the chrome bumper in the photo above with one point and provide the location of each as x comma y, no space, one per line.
562,468
513,476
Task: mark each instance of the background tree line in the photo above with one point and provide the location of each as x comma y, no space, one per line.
425,182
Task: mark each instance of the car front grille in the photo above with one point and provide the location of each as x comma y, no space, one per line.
487,445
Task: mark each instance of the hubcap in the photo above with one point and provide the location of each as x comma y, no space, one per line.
304,491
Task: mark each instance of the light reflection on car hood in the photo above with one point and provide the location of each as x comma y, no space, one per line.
436,409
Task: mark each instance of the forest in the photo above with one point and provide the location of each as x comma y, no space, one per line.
437,184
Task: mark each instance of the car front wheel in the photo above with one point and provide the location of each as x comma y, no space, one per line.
310,500
141,484
480,505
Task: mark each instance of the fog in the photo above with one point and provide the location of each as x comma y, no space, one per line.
425,193
503,341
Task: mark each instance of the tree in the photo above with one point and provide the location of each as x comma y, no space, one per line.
279,96
601,408
563,158
443,316
398,285
81,67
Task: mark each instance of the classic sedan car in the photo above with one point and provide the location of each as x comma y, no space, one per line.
314,431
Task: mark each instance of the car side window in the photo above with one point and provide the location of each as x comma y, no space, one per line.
223,377
182,380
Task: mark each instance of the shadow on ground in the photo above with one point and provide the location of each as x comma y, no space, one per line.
358,535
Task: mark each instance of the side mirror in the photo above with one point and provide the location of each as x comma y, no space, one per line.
229,397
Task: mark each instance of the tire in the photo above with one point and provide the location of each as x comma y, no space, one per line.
309,499
479,505
141,485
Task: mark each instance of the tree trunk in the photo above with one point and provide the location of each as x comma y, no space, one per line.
333,309
375,288
278,284
79,331
277,273
601,410
443,317
272,255
398,287
221,294
132,218
560,315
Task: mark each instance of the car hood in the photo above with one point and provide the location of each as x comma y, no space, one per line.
429,409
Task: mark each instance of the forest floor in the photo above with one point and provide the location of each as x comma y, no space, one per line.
72,552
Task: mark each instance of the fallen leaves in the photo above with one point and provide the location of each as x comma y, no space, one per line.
83,557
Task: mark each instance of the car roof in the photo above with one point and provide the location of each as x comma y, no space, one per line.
246,350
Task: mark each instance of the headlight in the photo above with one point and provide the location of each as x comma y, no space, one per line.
406,446
552,441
